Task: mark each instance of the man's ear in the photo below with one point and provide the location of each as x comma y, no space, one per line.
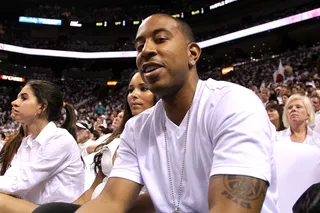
194,53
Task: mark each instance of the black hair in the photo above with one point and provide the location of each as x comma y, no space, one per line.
50,94
96,134
10,149
279,109
184,27
3,135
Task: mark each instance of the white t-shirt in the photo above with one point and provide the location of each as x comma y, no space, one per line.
229,133
46,169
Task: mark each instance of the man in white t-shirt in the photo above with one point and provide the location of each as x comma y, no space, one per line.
206,146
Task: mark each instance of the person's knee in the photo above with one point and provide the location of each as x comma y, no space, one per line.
56,208
45,208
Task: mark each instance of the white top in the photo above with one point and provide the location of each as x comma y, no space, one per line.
229,133
102,139
83,147
298,167
317,124
106,164
1,146
313,138
46,169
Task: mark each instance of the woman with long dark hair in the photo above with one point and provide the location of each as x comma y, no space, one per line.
275,112
44,166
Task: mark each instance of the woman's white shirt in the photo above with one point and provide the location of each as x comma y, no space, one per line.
106,164
313,138
46,169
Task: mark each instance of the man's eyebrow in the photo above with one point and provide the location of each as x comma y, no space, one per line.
155,32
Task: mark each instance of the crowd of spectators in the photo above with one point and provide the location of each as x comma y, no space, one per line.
258,74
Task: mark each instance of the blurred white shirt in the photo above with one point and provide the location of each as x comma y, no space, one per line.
317,125
313,138
83,147
46,169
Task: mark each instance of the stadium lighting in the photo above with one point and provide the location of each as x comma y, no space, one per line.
132,54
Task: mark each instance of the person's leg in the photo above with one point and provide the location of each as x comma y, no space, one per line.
9,204
57,208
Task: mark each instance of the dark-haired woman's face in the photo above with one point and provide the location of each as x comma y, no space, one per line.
284,99
273,114
26,107
139,97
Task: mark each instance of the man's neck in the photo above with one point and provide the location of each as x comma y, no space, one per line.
177,105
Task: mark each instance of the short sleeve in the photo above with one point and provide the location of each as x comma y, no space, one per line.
243,136
126,164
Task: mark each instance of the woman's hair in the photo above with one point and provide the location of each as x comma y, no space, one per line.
96,134
9,149
287,94
127,114
70,122
279,109
50,94
307,104
3,135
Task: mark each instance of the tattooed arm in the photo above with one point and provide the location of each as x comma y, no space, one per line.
236,193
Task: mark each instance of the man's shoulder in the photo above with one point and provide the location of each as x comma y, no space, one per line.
223,86
214,90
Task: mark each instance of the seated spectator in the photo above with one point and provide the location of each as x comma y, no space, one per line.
265,95
95,135
100,109
83,138
316,104
285,98
105,133
298,116
47,166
